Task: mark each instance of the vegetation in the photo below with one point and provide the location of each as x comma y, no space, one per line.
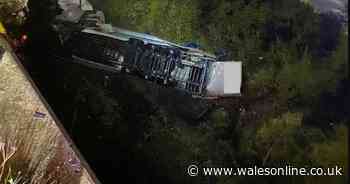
293,60
294,109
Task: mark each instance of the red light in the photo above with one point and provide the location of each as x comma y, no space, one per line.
24,37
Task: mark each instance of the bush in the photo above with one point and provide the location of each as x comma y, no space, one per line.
276,143
332,153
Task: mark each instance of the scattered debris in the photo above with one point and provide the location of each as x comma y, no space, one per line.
39,115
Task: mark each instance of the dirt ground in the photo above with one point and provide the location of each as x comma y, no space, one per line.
17,90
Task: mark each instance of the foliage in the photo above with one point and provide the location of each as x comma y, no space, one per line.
300,80
332,153
275,140
170,19
291,65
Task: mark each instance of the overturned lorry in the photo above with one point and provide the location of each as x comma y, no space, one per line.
93,43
